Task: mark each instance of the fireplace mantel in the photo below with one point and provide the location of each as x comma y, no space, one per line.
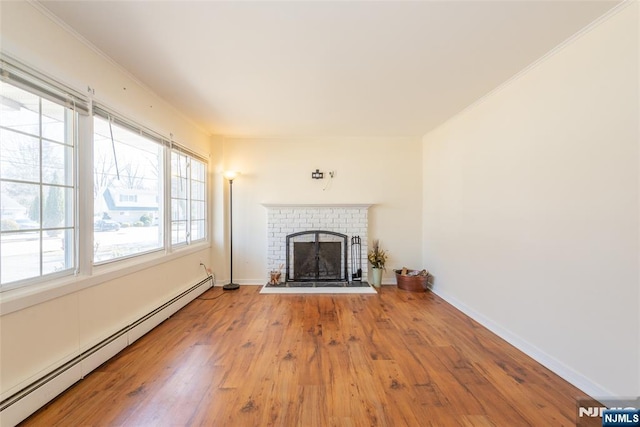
317,205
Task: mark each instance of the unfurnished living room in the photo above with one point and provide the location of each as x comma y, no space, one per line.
320,213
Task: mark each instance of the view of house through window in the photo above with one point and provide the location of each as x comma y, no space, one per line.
40,205
128,192
37,185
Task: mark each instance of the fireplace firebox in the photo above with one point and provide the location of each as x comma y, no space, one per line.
316,256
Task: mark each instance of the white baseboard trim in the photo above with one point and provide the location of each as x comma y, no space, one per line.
21,409
32,397
559,368
102,355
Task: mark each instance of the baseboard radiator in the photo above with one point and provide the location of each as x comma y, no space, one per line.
29,399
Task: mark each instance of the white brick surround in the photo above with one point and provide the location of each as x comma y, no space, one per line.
285,219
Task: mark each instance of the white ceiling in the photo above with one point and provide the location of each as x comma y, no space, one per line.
338,68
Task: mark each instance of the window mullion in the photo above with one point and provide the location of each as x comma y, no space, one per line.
189,196
40,177
84,161
166,199
71,239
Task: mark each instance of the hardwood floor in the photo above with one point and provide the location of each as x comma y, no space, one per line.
245,359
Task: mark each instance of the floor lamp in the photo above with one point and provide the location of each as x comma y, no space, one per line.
230,176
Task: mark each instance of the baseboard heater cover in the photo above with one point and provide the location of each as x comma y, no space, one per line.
15,408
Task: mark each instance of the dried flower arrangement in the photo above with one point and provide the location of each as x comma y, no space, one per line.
377,257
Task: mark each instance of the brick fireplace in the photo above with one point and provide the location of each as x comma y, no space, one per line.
287,219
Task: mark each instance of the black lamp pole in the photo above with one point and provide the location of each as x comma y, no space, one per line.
231,286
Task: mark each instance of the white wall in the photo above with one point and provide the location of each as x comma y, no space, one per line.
528,202
385,172
531,209
42,329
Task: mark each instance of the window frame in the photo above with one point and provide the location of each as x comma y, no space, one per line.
75,108
114,118
85,272
190,157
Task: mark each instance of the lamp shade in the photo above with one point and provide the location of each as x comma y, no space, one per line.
231,175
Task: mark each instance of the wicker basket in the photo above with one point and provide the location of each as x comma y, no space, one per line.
411,283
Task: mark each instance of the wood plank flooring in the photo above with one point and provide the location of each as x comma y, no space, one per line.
245,359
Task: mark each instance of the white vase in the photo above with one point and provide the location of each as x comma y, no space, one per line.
376,277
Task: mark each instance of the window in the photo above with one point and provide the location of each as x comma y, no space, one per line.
198,214
44,127
188,199
37,194
128,190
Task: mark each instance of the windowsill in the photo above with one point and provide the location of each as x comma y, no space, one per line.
26,296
